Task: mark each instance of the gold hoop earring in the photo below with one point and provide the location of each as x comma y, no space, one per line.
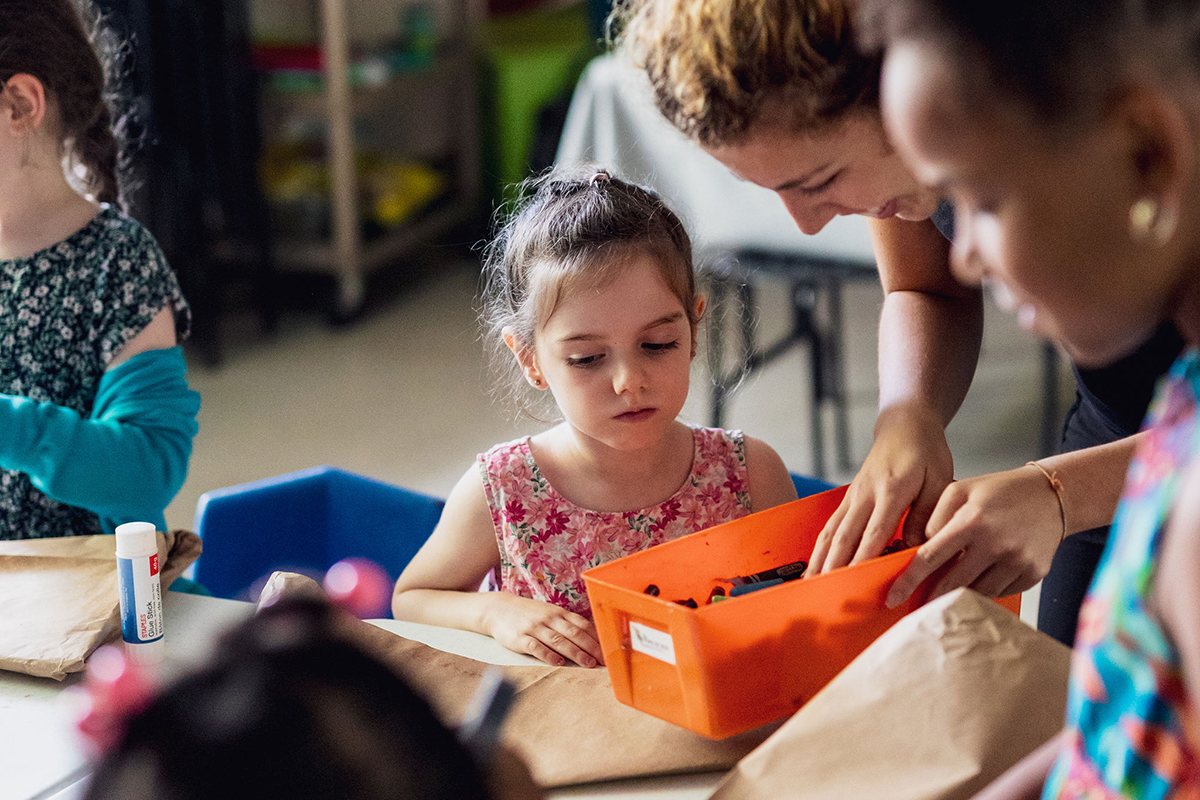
1148,222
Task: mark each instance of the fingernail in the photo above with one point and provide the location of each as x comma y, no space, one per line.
892,600
589,661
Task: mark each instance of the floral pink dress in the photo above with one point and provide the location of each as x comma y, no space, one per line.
547,542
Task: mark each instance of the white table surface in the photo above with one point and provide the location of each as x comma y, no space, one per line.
42,758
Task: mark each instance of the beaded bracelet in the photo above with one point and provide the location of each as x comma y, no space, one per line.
1057,486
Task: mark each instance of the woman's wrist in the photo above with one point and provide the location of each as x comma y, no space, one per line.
909,416
1050,480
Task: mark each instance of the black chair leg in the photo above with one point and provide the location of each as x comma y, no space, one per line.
1051,423
837,374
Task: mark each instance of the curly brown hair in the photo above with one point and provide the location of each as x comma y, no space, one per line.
713,64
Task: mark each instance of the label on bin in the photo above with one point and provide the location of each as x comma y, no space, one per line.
654,643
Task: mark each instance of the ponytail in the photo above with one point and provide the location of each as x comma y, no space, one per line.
97,150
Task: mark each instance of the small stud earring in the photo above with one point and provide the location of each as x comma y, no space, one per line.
1149,223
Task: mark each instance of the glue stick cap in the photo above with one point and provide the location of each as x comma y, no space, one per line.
136,540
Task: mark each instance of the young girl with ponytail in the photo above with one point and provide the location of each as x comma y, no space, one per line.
96,418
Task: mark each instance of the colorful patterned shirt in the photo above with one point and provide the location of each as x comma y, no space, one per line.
1125,715
64,313
547,542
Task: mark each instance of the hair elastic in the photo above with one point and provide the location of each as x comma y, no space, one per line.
601,177
1057,486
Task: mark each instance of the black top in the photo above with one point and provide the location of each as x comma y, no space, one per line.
1112,400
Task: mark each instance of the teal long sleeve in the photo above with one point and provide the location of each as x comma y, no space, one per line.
128,459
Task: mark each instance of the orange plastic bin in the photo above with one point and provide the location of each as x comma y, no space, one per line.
727,667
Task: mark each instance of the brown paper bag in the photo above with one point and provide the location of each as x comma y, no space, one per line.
60,598
935,709
566,723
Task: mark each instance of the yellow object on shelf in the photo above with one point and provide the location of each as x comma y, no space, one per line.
391,190
398,189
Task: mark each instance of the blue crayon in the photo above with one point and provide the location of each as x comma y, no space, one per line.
738,591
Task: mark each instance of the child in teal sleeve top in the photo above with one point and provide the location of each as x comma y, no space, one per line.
96,418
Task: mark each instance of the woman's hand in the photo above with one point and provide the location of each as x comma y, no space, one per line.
543,630
908,467
1003,528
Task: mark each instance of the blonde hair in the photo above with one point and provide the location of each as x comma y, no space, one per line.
713,64
572,229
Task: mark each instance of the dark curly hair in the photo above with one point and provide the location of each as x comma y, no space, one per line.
1060,58
64,44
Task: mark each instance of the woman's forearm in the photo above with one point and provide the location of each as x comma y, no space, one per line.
928,349
930,326
1092,481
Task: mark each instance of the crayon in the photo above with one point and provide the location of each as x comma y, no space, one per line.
747,588
787,572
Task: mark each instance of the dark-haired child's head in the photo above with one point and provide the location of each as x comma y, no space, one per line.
778,92
289,707
1065,132
51,47
575,232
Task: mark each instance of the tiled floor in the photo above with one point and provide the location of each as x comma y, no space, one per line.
403,395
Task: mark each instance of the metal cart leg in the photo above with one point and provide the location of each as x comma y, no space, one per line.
804,328
719,287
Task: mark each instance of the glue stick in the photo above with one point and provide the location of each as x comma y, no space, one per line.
141,591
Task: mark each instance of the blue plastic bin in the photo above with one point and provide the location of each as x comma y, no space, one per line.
806,486
305,522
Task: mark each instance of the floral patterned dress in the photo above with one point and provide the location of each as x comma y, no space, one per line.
64,313
547,542
1128,707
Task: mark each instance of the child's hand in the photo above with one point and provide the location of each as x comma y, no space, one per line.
544,631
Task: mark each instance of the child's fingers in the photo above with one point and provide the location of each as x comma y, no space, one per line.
533,646
588,639
571,641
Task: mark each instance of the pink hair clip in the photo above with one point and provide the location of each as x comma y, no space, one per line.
359,586
115,689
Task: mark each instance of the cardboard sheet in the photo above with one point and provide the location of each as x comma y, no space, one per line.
935,709
566,723
60,598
